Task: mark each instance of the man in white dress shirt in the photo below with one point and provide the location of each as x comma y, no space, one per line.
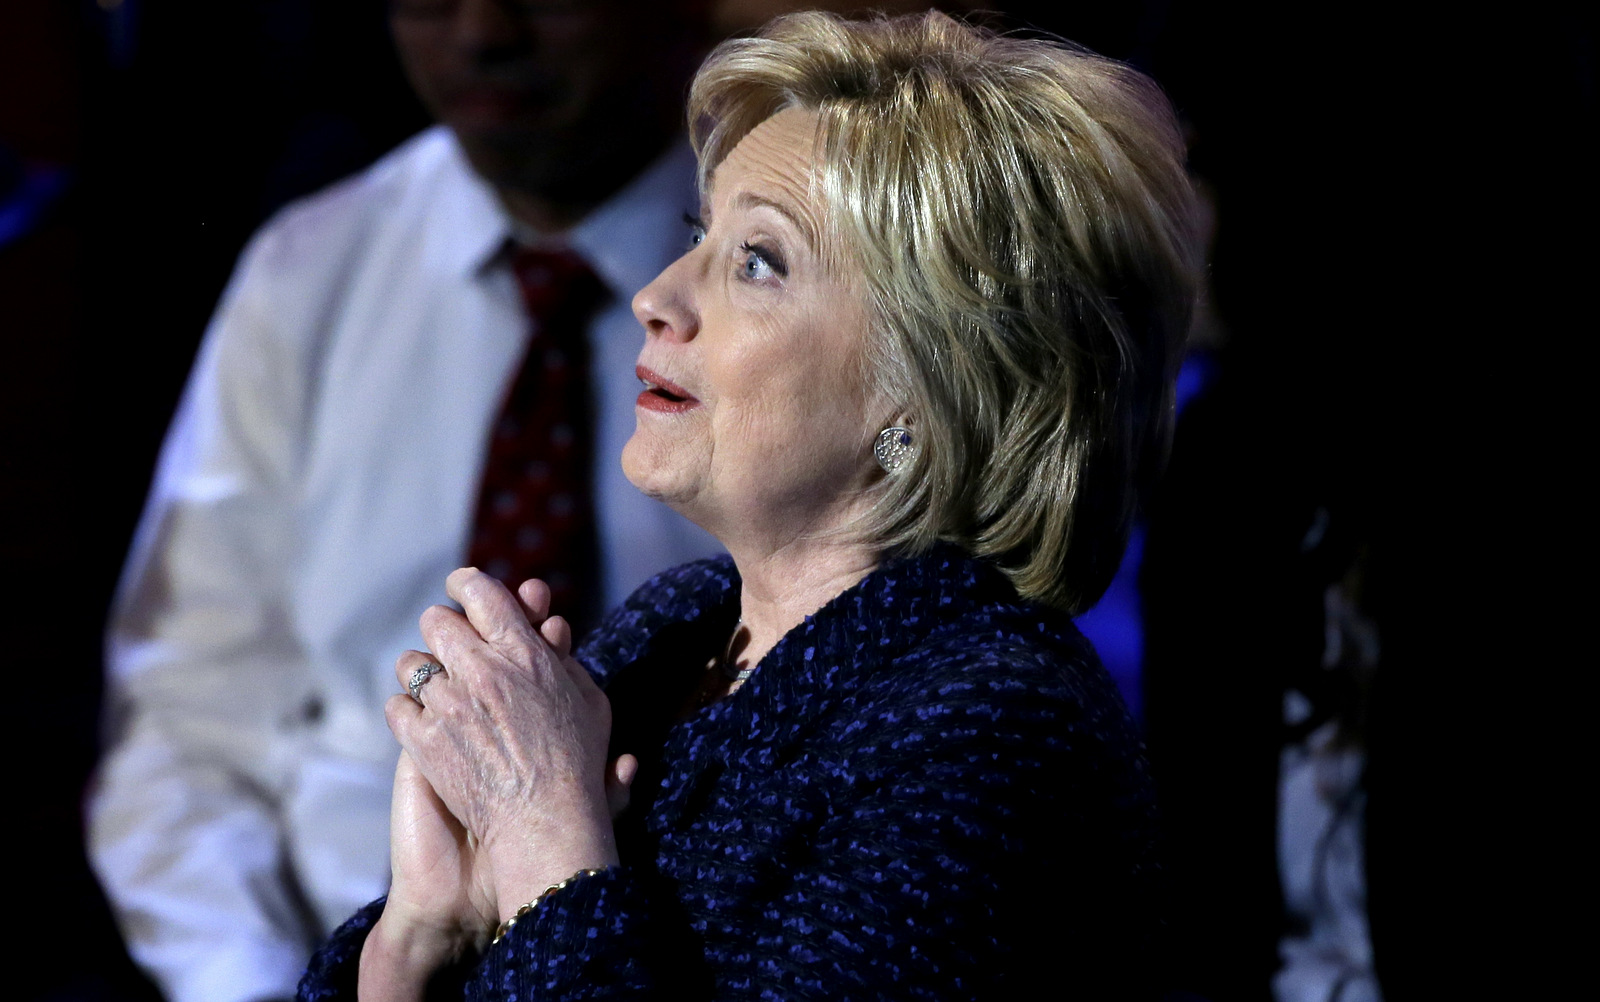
321,476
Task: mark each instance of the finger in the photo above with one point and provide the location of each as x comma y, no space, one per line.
620,775
492,610
404,715
626,769
449,635
406,771
535,598
408,667
557,632
458,644
410,727
409,783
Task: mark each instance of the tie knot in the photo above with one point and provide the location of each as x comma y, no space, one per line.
555,281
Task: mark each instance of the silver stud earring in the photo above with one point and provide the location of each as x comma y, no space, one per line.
893,449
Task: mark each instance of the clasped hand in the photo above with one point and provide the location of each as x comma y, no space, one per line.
503,787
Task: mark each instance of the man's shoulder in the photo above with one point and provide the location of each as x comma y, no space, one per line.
340,263
391,194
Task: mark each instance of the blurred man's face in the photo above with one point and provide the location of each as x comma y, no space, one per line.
560,100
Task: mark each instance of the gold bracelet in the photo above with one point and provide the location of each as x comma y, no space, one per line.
505,926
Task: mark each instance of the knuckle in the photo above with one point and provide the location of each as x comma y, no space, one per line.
507,635
477,586
433,618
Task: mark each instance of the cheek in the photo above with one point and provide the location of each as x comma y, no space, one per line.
424,61
789,378
417,44
806,406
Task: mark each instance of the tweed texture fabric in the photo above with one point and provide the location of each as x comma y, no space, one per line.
929,789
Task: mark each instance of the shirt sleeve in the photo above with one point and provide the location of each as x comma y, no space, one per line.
204,677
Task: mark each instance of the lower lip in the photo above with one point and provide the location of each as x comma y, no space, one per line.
651,401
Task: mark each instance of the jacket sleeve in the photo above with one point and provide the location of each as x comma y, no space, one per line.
980,827
204,676
956,817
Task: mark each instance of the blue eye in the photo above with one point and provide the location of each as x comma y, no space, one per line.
697,230
761,264
756,267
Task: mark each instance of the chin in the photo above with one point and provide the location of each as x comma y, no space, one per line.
651,471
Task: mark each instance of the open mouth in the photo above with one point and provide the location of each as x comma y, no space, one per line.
661,394
666,394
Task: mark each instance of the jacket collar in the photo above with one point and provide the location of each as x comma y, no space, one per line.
861,632
683,615
664,639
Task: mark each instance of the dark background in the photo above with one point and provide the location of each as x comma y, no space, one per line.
179,126
1403,264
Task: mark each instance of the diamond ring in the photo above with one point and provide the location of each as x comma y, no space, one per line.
420,677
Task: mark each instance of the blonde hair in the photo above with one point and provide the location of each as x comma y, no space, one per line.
1022,219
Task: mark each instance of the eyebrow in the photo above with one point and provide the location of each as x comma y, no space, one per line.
749,199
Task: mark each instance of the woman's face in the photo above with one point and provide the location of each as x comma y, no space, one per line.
756,419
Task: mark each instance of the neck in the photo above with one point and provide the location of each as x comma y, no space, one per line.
552,205
782,587
543,216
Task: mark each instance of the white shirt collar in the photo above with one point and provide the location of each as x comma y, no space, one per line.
640,230
468,226
627,239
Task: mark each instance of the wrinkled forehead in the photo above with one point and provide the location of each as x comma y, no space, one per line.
779,164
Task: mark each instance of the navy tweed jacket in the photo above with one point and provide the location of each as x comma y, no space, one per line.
927,790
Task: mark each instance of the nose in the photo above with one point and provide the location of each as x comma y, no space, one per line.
665,307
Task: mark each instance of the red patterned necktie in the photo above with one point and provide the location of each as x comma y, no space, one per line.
535,516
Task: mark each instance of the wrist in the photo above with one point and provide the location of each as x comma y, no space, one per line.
525,867
528,909
401,954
